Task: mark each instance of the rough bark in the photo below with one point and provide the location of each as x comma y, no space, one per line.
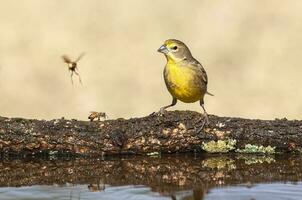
174,132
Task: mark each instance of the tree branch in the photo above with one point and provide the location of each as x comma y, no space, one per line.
175,132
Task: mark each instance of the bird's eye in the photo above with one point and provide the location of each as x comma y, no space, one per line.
174,48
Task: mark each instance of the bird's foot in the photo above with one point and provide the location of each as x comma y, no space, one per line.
206,118
161,112
204,122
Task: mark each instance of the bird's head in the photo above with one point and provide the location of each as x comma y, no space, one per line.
175,50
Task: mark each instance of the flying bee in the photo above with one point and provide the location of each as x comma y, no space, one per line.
73,66
93,115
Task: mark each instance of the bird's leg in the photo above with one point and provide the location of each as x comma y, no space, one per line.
205,120
162,109
71,77
80,80
206,117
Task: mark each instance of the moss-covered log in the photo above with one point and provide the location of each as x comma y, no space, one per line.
174,132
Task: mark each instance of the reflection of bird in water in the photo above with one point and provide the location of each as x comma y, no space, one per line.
173,197
198,194
72,65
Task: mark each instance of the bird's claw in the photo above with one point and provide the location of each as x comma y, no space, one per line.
206,118
205,122
161,112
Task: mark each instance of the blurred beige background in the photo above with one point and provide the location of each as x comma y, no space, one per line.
251,49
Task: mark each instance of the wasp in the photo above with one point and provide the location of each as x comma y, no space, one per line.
73,66
93,115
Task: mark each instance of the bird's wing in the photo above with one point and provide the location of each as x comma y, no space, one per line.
202,73
80,57
66,59
204,76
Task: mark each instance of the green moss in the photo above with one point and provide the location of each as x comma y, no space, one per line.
219,163
221,146
249,148
250,159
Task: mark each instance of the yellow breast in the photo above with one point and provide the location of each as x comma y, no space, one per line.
182,83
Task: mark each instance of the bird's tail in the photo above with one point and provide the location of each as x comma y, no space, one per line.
209,93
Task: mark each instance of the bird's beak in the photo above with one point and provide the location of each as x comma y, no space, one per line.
163,49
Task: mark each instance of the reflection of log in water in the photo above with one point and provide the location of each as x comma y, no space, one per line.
164,175
174,132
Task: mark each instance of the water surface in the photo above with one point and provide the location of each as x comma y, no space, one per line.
233,177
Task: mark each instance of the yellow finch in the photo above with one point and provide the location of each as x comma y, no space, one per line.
184,76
